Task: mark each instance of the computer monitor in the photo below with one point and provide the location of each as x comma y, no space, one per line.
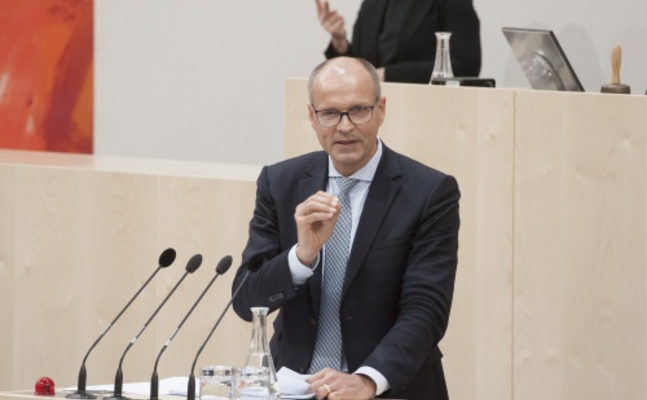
542,59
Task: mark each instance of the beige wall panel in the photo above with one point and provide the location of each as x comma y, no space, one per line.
467,133
210,218
124,225
6,275
579,247
87,237
49,270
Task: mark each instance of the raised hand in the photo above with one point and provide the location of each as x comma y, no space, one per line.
316,218
333,23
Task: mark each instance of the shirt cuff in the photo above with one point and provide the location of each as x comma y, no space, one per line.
381,384
300,273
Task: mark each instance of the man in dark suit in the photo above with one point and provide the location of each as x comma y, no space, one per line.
398,281
398,36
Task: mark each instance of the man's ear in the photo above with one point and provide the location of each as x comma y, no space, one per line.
311,114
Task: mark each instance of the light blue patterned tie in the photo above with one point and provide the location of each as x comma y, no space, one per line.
328,348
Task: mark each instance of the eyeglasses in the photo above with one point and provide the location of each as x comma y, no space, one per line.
356,115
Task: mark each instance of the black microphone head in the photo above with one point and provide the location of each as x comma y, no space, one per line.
167,257
223,265
255,263
194,263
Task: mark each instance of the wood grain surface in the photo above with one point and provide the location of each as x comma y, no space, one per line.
78,240
579,260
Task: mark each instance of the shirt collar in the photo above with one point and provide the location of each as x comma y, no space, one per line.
366,173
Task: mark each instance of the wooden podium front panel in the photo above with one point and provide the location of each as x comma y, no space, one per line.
6,278
579,258
467,133
80,234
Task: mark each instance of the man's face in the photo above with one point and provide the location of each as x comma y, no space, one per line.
350,145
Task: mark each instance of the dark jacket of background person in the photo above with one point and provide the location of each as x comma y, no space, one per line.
416,41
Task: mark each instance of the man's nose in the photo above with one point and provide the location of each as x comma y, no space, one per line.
345,124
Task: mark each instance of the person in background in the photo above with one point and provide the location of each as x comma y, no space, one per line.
398,36
359,251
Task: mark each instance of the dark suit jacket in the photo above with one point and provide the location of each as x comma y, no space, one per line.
400,276
416,50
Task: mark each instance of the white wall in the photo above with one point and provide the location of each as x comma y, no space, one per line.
204,79
200,79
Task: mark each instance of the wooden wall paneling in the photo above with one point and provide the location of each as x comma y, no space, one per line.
579,246
7,262
87,235
50,240
209,217
123,225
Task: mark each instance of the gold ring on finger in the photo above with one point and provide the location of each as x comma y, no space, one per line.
328,389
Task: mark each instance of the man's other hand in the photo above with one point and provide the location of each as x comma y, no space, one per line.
335,385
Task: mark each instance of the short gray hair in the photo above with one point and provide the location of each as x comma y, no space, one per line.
367,66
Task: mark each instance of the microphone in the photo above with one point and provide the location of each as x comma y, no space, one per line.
191,267
221,268
254,265
165,259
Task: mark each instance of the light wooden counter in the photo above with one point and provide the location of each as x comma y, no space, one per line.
80,234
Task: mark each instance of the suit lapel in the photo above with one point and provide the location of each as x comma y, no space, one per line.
383,190
315,180
316,176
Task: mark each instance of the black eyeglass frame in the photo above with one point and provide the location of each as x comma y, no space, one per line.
346,113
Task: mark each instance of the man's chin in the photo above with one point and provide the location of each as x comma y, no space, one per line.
347,158
347,163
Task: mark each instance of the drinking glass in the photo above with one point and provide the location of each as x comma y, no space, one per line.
252,383
217,382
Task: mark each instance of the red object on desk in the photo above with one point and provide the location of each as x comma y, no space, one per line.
44,387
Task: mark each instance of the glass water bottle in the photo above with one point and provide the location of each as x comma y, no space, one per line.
259,350
443,62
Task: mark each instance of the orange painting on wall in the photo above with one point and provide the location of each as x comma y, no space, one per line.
46,75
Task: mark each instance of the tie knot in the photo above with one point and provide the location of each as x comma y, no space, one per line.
346,184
